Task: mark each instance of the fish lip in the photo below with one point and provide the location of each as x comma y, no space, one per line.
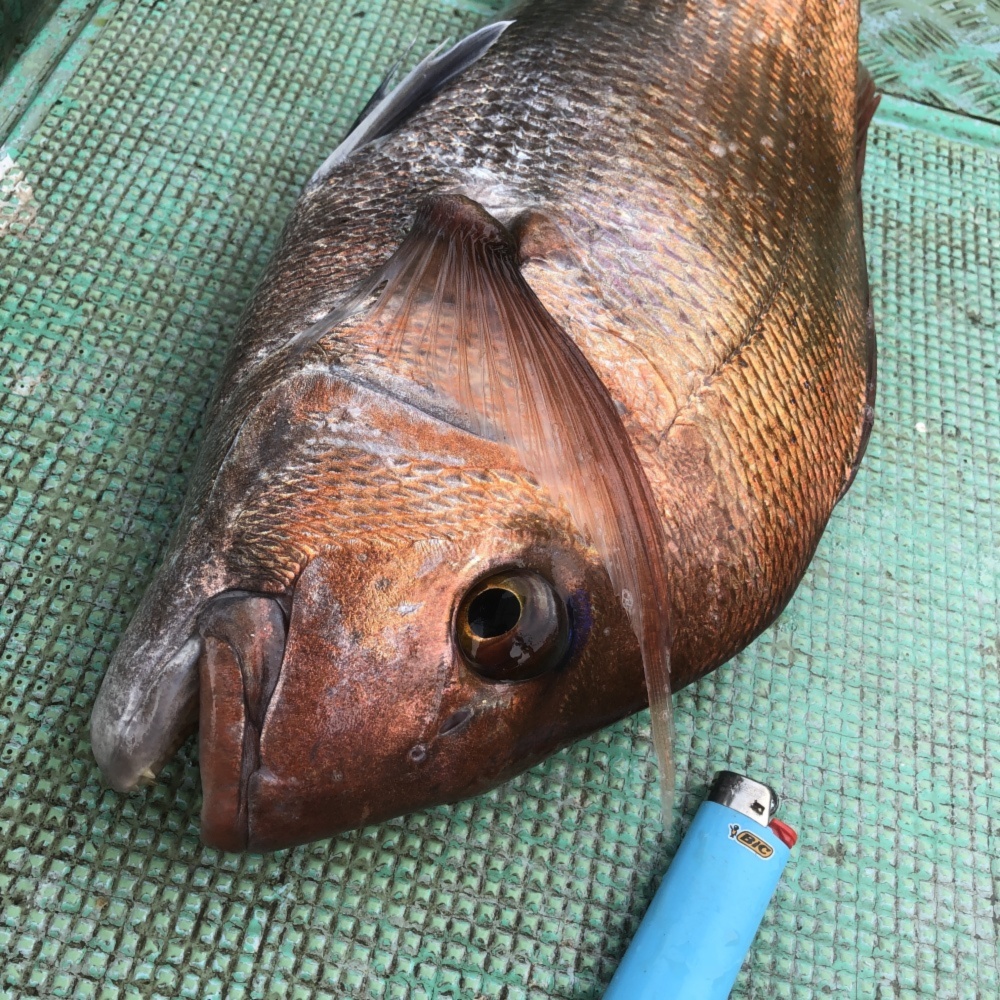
244,637
124,740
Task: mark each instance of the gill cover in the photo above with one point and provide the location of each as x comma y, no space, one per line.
451,311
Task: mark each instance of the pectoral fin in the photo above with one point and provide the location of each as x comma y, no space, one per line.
452,311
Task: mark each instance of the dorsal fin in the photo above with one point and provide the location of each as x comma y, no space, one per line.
385,84
455,313
382,115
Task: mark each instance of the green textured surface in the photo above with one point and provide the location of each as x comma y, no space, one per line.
940,52
147,183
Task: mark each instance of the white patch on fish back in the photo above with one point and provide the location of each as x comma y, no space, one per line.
494,191
352,427
435,555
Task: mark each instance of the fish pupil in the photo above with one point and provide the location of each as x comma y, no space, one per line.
494,612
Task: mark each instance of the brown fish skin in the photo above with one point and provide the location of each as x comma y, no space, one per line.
680,179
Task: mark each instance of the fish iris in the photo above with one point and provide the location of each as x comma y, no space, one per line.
512,626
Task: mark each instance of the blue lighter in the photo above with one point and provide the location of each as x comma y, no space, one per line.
699,926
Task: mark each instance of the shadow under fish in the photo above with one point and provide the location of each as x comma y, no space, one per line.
537,414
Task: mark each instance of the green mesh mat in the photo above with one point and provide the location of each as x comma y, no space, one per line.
160,148
940,52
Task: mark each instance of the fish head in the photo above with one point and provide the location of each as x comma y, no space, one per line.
370,610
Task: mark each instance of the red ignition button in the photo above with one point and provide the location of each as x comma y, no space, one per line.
783,832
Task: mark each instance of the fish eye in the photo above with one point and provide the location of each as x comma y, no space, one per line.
512,626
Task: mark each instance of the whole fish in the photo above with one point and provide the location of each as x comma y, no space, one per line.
537,414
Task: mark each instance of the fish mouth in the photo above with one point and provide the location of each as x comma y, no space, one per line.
135,732
243,646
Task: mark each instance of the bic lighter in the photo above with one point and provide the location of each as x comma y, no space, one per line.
703,918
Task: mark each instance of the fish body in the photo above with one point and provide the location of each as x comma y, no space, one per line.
562,375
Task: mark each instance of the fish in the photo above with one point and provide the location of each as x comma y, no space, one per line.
536,415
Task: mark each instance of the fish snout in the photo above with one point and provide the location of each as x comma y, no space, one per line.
136,728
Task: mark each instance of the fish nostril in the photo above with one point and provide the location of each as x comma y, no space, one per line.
418,753
456,721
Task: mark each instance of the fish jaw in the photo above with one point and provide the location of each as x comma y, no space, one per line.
243,637
147,705
136,730
148,702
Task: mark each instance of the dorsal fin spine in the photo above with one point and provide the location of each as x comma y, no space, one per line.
422,83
